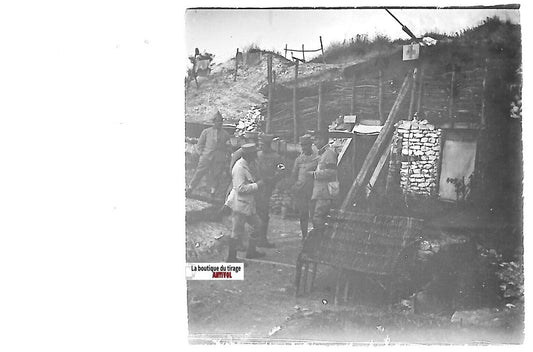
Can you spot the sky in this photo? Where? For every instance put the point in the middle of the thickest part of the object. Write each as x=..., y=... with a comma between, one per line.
x=222, y=31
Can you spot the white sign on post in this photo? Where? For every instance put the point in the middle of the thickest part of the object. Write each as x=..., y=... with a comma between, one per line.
x=350, y=118
x=411, y=52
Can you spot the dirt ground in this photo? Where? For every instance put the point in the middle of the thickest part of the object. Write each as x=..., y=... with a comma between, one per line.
x=263, y=308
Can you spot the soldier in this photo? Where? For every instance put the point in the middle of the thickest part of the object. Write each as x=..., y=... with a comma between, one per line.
x=303, y=182
x=249, y=137
x=326, y=172
x=213, y=149
x=242, y=201
x=267, y=167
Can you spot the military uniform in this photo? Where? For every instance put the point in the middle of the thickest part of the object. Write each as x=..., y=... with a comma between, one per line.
x=326, y=172
x=303, y=184
x=241, y=200
x=266, y=163
x=213, y=149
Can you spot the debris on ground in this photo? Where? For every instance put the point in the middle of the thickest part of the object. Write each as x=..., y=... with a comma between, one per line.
x=251, y=122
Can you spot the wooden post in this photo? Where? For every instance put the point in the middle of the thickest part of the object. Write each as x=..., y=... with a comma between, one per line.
x=236, y=65
x=320, y=110
x=483, y=93
x=303, y=53
x=322, y=48
x=452, y=92
x=270, y=95
x=377, y=171
x=295, y=103
x=380, y=97
x=285, y=50
x=412, y=100
x=353, y=95
x=383, y=136
x=354, y=157
x=420, y=88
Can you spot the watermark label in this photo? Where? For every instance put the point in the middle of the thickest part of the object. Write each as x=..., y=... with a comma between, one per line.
x=214, y=271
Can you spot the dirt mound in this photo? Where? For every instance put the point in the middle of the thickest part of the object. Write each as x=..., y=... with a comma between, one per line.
x=235, y=98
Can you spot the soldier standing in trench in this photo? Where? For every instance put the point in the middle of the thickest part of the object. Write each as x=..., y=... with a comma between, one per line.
x=267, y=168
x=303, y=182
x=249, y=137
x=242, y=201
x=213, y=149
x=325, y=172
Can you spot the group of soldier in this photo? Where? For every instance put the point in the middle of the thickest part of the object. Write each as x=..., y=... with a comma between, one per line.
x=255, y=170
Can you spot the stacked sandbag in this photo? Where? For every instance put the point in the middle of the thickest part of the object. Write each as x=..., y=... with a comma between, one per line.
x=251, y=122
x=419, y=149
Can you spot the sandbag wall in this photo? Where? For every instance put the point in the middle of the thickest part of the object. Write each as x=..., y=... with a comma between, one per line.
x=418, y=147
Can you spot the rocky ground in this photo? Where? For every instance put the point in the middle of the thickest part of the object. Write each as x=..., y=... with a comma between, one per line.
x=263, y=308
x=234, y=98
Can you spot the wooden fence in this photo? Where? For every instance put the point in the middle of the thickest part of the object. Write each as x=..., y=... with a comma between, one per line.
x=438, y=94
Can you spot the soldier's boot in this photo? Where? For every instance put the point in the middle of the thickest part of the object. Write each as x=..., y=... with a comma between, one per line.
x=262, y=240
x=232, y=251
x=251, y=252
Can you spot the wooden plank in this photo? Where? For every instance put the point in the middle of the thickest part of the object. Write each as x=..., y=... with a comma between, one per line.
x=320, y=110
x=483, y=95
x=270, y=95
x=377, y=171
x=295, y=104
x=346, y=143
x=452, y=92
x=420, y=89
x=412, y=101
x=380, y=97
x=322, y=49
x=353, y=95
x=383, y=136
x=236, y=65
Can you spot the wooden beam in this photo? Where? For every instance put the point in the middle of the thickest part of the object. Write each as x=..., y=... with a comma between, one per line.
x=483, y=93
x=420, y=89
x=322, y=48
x=377, y=171
x=320, y=109
x=295, y=104
x=383, y=136
x=236, y=65
x=452, y=92
x=380, y=97
x=412, y=101
x=353, y=95
x=270, y=95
